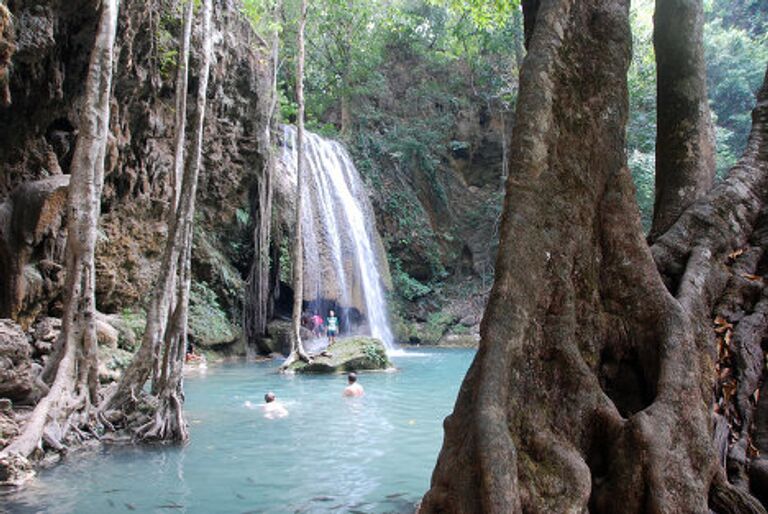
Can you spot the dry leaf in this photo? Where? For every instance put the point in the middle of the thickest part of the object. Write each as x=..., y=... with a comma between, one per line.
x=722, y=324
x=732, y=256
x=729, y=388
x=750, y=276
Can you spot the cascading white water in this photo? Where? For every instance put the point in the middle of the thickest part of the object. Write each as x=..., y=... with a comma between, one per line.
x=338, y=230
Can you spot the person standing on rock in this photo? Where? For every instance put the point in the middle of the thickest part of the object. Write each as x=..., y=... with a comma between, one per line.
x=353, y=389
x=333, y=327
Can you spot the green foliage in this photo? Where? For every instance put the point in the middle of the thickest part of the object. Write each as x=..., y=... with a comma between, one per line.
x=135, y=320
x=375, y=354
x=260, y=14
x=208, y=324
x=166, y=43
x=405, y=286
x=483, y=13
x=736, y=51
x=286, y=261
x=735, y=68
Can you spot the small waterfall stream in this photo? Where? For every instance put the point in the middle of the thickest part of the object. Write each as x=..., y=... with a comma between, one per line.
x=342, y=250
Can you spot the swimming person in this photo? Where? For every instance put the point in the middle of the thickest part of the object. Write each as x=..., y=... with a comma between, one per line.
x=333, y=327
x=353, y=389
x=273, y=409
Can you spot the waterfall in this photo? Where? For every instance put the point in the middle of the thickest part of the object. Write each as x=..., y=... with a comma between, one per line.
x=341, y=266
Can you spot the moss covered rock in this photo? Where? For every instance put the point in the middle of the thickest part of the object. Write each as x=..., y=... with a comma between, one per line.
x=348, y=354
x=208, y=323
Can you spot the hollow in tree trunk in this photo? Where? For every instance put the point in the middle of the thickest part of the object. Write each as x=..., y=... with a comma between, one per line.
x=66, y=412
x=592, y=387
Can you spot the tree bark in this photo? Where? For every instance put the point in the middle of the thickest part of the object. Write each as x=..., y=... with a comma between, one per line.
x=168, y=422
x=685, y=140
x=149, y=358
x=297, y=346
x=591, y=389
x=67, y=406
x=258, y=287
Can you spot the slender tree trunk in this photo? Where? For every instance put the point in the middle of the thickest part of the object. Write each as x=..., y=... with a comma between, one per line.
x=685, y=141
x=168, y=422
x=148, y=358
x=182, y=81
x=179, y=140
x=256, y=311
x=297, y=346
x=592, y=386
x=66, y=408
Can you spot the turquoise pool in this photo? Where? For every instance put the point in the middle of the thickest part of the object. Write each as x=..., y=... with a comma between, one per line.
x=331, y=454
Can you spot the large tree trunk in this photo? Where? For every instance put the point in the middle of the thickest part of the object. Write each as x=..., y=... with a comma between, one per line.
x=713, y=261
x=297, y=346
x=591, y=389
x=685, y=140
x=162, y=309
x=67, y=406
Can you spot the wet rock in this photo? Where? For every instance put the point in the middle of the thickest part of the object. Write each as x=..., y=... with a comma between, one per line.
x=348, y=354
x=279, y=340
x=31, y=224
x=18, y=374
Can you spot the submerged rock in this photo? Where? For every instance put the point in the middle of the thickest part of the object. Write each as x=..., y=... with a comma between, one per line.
x=348, y=354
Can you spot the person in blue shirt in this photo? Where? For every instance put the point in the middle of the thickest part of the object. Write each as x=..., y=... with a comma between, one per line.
x=332, y=322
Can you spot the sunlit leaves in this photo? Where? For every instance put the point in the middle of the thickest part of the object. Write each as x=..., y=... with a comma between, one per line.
x=485, y=14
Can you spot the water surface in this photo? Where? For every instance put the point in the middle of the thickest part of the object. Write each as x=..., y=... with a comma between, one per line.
x=331, y=454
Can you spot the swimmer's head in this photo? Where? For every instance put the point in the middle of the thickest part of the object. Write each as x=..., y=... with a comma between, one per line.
x=269, y=397
x=352, y=377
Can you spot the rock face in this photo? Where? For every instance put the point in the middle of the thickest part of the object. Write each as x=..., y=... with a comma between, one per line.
x=38, y=132
x=279, y=340
x=348, y=354
x=18, y=376
x=31, y=230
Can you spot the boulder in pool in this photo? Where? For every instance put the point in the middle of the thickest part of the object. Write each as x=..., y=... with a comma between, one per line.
x=347, y=354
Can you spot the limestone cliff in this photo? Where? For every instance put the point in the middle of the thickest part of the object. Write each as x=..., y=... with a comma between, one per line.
x=39, y=127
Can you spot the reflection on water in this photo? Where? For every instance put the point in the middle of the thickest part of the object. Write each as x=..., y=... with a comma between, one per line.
x=331, y=454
